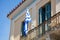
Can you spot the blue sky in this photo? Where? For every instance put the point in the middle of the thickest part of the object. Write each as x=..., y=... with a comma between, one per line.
x=5, y=7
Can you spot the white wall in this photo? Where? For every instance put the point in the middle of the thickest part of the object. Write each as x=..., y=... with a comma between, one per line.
x=57, y=6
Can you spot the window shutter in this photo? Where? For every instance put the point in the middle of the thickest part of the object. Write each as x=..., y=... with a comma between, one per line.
x=48, y=14
x=22, y=28
x=40, y=15
x=48, y=10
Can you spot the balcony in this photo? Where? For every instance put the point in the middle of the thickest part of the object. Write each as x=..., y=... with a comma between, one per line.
x=36, y=33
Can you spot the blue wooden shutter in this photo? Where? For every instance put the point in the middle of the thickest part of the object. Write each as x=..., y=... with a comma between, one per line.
x=48, y=14
x=43, y=19
x=22, y=28
x=48, y=10
x=40, y=19
x=40, y=15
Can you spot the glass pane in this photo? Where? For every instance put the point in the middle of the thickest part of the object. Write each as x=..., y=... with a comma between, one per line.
x=40, y=15
x=41, y=30
x=46, y=27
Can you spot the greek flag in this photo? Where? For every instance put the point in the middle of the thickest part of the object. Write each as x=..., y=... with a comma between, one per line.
x=27, y=20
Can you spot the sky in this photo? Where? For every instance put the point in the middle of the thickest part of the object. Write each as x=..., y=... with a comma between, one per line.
x=5, y=7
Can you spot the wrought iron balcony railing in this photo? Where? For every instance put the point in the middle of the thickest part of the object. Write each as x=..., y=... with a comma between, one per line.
x=36, y=33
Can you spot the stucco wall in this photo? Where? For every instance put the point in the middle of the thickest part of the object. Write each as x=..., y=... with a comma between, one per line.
x=57, y=6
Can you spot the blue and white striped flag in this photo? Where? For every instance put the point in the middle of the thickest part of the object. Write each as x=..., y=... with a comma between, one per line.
x=27, y=20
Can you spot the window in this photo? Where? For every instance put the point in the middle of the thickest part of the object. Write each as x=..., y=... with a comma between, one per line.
x=45, y=14
x=42, y=18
